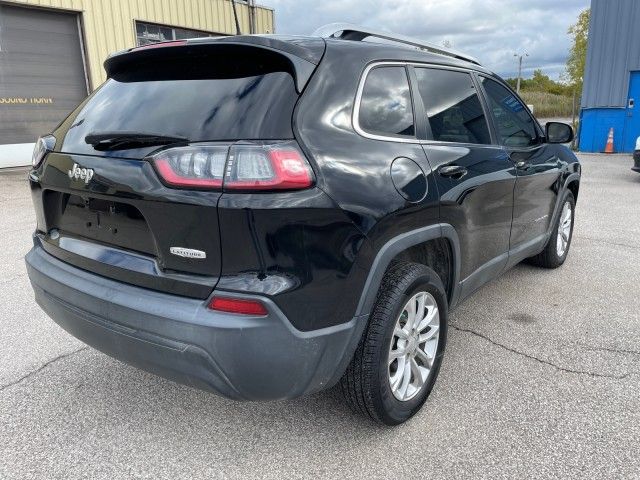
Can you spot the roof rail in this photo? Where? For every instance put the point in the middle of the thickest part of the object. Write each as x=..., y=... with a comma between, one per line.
x=348, y=31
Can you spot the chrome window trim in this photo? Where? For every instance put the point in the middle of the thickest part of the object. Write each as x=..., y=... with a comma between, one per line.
x=355, y=119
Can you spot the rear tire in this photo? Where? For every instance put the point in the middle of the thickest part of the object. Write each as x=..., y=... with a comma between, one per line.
x=367, y=383
x=557, y=248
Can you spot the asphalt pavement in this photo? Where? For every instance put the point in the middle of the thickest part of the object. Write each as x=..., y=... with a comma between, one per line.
x=541, y=379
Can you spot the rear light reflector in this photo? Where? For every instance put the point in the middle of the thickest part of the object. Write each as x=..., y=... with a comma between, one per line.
x=238, y=305
x=201, y=166
x=280, y=166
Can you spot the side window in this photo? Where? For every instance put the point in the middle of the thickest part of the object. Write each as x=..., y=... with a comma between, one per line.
x=515, y=126
x=385, y=106
x=452, y=105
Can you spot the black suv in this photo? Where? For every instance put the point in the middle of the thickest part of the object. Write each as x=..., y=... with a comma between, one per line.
x=268, y=216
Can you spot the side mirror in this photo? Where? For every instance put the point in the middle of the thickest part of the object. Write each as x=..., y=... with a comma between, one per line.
x=557, y=132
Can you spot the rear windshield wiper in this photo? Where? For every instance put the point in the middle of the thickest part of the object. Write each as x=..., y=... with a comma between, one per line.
x=122, y=140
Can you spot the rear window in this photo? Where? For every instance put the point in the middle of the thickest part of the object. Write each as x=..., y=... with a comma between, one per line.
x=206, y=99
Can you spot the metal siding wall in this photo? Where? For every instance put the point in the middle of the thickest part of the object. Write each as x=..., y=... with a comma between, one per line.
x=613, y=51
x=594, y=129
x=109, y=24
x=265, y=21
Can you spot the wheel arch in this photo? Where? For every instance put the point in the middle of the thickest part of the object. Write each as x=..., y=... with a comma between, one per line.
x=420, y=245
x=573, y=184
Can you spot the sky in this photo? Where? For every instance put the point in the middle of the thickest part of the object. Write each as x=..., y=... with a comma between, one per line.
x=490, y=30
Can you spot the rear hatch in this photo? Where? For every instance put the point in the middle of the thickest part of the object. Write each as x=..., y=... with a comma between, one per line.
x=101, y=202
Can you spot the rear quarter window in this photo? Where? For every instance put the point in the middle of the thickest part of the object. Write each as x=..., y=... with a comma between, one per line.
x=385, y=105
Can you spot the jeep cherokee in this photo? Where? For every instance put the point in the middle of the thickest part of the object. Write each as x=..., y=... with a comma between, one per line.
x=268, y=216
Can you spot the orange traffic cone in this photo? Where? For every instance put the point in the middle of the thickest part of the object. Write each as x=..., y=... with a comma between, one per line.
x=609, y=147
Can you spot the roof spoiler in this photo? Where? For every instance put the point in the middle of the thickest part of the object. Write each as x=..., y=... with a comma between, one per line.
x=348, y=31
x=303, y=61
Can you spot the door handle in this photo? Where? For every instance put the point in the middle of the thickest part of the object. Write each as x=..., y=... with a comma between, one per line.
x=452, y=171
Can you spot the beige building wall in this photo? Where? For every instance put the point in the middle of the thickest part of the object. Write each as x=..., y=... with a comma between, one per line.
x=109, y=25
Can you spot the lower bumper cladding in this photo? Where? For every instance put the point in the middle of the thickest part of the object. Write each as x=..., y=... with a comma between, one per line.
x=243, y=357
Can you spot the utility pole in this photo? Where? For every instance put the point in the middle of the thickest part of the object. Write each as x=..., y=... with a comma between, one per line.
x=519, y=68
x=235, y=16
x=251, y=4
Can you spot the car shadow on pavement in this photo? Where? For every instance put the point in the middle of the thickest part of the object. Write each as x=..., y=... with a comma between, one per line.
x=102, y=387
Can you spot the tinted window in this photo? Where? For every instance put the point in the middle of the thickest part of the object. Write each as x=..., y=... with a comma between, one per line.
x=452, y=105
x=202, y=104
x=515, y=126
x=385, y=108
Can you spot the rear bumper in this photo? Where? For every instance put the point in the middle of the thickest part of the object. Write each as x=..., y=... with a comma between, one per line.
x=636, y=161
x=239, y=357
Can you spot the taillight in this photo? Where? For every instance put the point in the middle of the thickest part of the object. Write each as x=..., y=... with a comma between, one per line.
x=195, y=166
x=280, y=166
x=238, y=305
x=243, y=166
x=43, y=146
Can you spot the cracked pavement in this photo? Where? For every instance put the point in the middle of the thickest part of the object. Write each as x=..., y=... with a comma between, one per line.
x=551, y=364
x=541, y=380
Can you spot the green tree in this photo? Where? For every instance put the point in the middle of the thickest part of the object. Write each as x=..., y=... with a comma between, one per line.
x=539, y=82
x=512, y=82
x=578, y=53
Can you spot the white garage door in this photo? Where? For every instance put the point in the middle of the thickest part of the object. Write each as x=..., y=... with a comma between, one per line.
x=42, y=77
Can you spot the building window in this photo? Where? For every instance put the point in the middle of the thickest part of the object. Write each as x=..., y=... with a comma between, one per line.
x=147, y=33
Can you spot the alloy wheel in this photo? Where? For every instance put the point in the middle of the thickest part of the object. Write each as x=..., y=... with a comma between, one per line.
x=414, y=344
x=564, y=229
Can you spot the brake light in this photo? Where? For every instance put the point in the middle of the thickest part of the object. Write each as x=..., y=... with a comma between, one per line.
x=201, y=166
x=243, y=166
x=238, y=305
x=280, y=166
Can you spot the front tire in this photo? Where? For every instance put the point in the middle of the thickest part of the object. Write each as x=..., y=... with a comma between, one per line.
x=398, y=359
x=557, y=248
